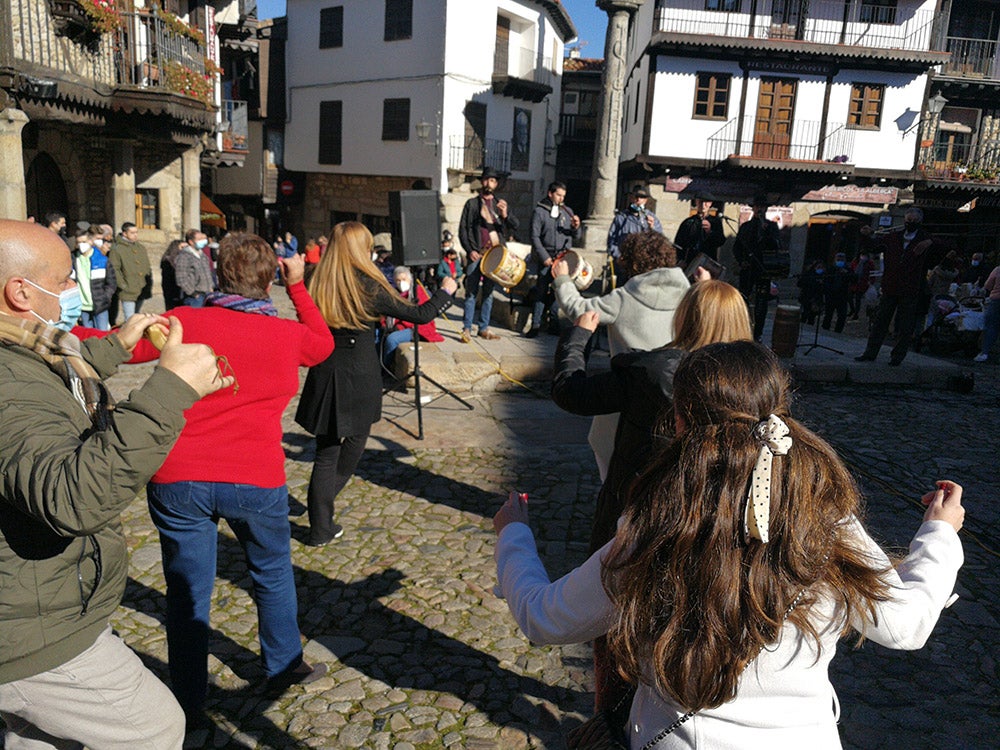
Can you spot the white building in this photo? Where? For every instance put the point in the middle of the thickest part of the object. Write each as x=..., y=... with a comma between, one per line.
x=815, y=103
x=387, y=95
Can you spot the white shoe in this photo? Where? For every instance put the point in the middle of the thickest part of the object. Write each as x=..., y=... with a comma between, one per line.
x=981, y=357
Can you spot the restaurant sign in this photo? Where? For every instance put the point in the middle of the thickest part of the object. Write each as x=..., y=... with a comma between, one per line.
x=853, y=194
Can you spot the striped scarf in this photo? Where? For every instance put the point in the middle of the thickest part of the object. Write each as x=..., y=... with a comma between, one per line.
x=61, y=352
x=242, y=304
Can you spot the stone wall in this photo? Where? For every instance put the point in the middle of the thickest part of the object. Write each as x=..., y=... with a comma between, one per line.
x=359, y=195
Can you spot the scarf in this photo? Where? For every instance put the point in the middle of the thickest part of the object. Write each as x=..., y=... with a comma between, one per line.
x=61, y=352
x=241, y=304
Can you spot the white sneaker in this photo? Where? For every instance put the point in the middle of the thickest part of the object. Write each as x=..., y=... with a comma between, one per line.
x=981, y=357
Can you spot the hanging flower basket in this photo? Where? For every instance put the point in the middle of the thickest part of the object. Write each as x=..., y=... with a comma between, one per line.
x=104, y=16
x=84, y=20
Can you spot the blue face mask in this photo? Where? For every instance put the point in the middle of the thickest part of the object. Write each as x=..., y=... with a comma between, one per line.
x=70, y=307
x=819, y=271
x=841, y=263
x=200, y=244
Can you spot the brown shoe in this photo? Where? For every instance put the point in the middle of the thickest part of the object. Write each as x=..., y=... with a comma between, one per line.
x=488, y=335
x=466, y=337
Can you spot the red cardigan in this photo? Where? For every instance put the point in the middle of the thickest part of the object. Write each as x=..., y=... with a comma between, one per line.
x=236, y=437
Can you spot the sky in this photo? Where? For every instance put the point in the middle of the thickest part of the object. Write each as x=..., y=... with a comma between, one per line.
x=590, y=21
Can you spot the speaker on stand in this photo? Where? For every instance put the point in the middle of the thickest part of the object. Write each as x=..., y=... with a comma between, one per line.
x=415, y=225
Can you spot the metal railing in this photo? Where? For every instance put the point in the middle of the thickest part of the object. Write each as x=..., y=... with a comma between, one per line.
x=526, y=64
x=471, y=154
x=146, y=47
x=845, y=22
x=807, y=140
x=235, y=126
x=578, y=127
x=963, y=162
x=973, y=58
x=32, y=38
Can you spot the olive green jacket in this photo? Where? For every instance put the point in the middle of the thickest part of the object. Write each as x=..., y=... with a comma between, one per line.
x=132, y=270
x=63, y=559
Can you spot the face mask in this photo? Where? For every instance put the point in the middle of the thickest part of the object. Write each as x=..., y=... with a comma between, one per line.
x=83, y=246
x=374, y=257
x=840, y=263
x=70, y=307
x=975, y=263
x=911, y=226
x=404, y=286
x=200, y=244
x=635, y=208
x=99, y=242
x=819, y=271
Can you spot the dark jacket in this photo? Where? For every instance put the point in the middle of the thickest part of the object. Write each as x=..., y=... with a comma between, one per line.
x=640, y=385
x=905, y=264
x=757, y=237
x=549, y=236
x=132, y=269
x=469, y=225
x=193, y=272
x=103, y=282
x=629, y=222
x=342, y=395
x=692, y=238
x=63, y=559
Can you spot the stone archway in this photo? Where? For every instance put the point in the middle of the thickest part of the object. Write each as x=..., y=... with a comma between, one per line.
x=44, y=188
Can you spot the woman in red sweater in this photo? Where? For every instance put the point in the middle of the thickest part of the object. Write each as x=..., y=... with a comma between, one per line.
x=229, y=463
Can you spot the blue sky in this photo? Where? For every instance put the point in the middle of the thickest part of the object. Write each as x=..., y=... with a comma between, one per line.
x=589, y=20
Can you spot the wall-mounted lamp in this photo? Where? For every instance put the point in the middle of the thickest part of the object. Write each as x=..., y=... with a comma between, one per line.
x=429, y=134
x=935, y=106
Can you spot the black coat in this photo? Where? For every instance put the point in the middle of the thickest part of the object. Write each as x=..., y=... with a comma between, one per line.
x=640, y=385
x=692, y=239
x=342, y=395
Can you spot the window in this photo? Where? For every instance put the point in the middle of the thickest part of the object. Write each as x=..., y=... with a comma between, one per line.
x=711, y=96
x=724, y=6
x=331, y=27
x=866, y=106
x=396, y=120
x=877, y=11
x=398, y=19
x=147, y=209
x=330, y=127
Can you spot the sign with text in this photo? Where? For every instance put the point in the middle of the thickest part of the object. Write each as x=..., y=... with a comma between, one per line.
x=853, y=194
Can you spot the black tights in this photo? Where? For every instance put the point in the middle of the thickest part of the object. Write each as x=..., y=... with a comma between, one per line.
x=336, y=460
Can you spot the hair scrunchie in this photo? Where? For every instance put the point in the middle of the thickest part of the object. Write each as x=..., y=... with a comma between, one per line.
x=773, y=435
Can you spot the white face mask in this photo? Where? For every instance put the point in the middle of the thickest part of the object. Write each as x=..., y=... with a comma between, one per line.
x=83, y=246
x=99, y=242
x=404, y=286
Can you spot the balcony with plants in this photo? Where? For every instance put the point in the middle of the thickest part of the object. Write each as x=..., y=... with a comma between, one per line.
x=961, y=160
x=861, y=26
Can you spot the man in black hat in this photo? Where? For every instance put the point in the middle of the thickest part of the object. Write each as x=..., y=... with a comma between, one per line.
x=486, y=222
x=757, y=237
x=701, y=232
x=635, y=218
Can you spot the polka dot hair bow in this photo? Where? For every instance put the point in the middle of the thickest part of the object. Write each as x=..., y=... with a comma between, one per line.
x=775, y=441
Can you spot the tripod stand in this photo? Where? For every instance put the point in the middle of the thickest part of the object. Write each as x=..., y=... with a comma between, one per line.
x=417, y=376
x=815, y=342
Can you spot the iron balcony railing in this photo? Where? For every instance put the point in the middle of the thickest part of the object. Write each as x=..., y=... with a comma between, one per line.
x=234, y=126
x=861, y=23
x=523, y=63
x=578, y=127
x=962, y=161
x=150, y=54
x=804, y=140
x=471, y=154
x=972, y=58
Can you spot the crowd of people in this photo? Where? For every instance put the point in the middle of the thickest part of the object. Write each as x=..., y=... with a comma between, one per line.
x=728, y=550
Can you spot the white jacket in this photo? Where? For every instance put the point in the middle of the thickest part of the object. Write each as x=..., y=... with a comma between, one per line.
x=785, y=698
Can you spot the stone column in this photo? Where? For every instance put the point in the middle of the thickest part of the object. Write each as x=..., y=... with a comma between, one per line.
x=13, y=204
x=122, y=183
x=191, y=187
x=607, y=150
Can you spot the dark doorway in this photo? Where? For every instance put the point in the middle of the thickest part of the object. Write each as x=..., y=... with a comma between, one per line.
x=44, y=188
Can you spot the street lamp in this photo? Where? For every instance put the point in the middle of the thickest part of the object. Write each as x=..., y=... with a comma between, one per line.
x=935, y=105
x=428, y=133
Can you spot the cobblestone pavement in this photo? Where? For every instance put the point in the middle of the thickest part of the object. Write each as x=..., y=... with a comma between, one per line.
x=423, y=655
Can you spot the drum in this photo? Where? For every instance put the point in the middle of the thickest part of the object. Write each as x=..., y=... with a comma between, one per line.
x=785, y=334
x=580, y=269
x=502, y=266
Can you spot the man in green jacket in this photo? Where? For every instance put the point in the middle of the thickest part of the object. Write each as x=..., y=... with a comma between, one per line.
x=132, y=270
x=71, y=461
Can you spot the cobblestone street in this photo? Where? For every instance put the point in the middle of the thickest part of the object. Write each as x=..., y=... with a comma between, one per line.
x=423, y=655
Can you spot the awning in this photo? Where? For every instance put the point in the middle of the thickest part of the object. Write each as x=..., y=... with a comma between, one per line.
x=211, y=214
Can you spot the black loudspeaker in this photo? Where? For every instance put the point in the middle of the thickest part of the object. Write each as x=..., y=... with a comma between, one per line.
x=415, y=225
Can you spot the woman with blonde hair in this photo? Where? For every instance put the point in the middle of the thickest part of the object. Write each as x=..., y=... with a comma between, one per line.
x=739, y=564
x=640, y=387
x=342, y=396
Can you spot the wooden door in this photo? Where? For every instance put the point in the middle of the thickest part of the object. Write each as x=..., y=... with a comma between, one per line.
x=772, y=138
x=475, y=135
x=501, y=56
x=786, y=17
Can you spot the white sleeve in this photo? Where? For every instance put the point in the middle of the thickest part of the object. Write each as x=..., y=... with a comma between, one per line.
x=920, y=586
x=574, y=609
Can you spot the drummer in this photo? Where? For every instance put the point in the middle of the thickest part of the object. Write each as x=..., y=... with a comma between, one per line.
x=554, y=226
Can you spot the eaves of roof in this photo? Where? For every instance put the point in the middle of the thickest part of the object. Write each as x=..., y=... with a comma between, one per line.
x=560, y=17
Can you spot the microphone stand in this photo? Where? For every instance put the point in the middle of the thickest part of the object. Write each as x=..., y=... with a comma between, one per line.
x=815, y=342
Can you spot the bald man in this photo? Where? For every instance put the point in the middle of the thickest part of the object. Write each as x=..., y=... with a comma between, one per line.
x=71, y=461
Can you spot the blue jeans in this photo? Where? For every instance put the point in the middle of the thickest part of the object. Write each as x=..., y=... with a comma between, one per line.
x=991, y=325
x=186, y=515
x=195, y=300
x=473, y=280
x=130, y=307
x=392, y=342
x=100, y=320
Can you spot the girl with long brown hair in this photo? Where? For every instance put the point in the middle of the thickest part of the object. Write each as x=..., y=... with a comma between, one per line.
x=342, y=396
x=739, y=563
